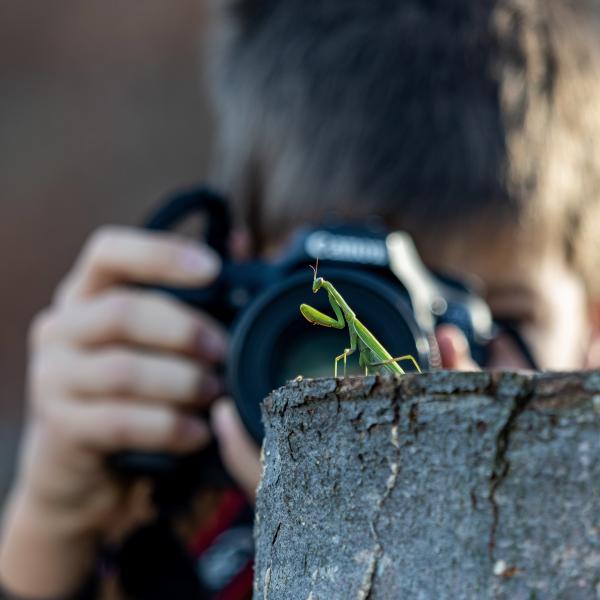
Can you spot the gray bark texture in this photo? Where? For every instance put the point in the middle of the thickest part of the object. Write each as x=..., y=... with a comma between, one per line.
x=442, y=485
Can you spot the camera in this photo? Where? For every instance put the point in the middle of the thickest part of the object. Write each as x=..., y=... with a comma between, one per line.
x=378, y=272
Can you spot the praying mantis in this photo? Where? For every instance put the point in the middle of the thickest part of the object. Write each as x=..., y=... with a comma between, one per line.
x=372, y=353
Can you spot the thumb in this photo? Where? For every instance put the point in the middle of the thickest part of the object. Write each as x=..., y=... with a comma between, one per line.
x=454, y=349
x=239, y=452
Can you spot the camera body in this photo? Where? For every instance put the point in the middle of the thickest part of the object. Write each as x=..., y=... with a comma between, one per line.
x=379, y=273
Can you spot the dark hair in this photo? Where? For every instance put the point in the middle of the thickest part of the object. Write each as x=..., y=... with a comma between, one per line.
x=432, y=114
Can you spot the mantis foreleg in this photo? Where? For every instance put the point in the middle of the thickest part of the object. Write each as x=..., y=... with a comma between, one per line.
x=316, y=317
x=397, y=359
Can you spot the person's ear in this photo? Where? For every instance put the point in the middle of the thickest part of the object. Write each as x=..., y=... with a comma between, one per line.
x=592, y=359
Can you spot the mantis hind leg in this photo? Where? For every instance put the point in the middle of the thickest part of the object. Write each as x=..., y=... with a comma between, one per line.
x=363, y=360
x=348, y=351
x=396, y=359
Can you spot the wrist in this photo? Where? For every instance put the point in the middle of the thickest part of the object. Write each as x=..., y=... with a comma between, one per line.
x=43, y=553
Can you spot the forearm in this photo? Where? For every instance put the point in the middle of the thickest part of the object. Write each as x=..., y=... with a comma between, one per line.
x=42, y=555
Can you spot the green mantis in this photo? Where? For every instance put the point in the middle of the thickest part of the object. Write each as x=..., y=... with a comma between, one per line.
x=372, y=353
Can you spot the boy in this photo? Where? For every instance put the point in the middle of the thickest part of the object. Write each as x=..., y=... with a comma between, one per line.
x=472, y=125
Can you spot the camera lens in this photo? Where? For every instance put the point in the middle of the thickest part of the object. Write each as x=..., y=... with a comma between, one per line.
x=272, y=343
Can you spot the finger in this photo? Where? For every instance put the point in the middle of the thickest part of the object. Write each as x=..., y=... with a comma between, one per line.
x=116, y=255
x=454, y=349
x=239, y=452
x=143, y=318
x=125, y=373
x=113, y=425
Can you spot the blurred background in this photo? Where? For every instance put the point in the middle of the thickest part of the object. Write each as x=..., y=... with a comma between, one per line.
x=101, y=113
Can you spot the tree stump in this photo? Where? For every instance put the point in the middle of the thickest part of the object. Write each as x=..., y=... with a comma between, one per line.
x=462, y=485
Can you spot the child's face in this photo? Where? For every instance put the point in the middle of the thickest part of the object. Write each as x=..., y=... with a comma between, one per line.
x=543, y=296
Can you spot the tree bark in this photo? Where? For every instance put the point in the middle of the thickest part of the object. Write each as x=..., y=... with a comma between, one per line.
x=462, y=485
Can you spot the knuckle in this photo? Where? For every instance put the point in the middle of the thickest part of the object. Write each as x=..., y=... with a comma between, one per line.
x=100, y=239
x=194, y=328
x=63, y=289
x=183, y=332
x=184, y=324
x=121, y=370
x=40, y=327
x=98, y=244
x=189, y=379
x=164, y=256
x=194, y=380
x=173, y=430
x=119, y=432
x=119, y=306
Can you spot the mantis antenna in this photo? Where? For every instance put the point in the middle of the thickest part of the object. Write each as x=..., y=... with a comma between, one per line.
x=315, y=269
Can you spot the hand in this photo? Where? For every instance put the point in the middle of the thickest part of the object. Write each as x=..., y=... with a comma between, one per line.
x=112, y=368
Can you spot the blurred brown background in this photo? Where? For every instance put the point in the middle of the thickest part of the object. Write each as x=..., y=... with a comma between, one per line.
x=101, y=113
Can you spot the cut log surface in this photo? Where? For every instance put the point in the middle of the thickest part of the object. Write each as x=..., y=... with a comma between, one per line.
x=442, y=485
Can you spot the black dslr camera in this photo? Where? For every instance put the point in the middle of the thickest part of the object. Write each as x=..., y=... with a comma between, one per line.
x=379, y=273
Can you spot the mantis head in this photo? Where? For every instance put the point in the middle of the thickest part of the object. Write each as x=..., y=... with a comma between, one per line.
x=317, y=281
